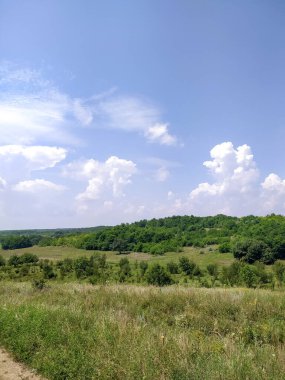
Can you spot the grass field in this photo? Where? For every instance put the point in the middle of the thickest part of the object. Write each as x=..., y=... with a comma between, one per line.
x=59, y=253
x=84, y=332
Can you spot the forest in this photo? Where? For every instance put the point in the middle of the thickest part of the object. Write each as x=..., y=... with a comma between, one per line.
x=249, y=238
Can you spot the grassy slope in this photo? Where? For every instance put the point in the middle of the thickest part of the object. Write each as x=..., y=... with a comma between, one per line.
x=126, y=332
x=59, y=253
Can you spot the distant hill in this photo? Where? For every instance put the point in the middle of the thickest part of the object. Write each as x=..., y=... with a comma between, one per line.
x=54, y=232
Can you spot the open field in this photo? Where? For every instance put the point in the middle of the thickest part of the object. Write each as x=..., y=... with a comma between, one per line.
x=60, y=253
x=86, y=332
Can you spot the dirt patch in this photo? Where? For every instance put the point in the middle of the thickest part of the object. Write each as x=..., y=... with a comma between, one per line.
x=11, y=370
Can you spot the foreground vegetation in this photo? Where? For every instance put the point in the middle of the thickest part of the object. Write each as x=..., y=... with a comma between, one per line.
x=97, y=303
x=83, y=332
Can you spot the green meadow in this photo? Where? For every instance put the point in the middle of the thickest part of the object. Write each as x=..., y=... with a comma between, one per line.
x=84, y=332
x=202, y=256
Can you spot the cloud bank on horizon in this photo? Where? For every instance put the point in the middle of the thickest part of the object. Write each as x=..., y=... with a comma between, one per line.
x=51, y=177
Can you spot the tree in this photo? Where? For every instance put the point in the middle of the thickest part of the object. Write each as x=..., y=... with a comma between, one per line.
x=248, y=276
x=120, y=245
x=250, y=250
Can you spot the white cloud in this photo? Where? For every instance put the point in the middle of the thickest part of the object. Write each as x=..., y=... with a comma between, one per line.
x=3, y=183
x=133, y=114
x=162, y=174
x=83, y=113
x=274, y=184
x=32, y=109
x=159, y=133
x=103, y=177
x=170, y=195
x=36, y=114
x=37, y=157
x=37, y=186
x=235, y=189
x=273, y=194
x=18, y=162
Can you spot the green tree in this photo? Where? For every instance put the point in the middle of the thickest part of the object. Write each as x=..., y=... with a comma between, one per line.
x=248, y=276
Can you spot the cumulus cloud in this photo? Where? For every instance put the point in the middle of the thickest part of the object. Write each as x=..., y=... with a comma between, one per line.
x=236, y=188
x=37, y=186
x=159, y=133
x=235, y=183
x=274, y=184
x=103, y=177
x=273, y=194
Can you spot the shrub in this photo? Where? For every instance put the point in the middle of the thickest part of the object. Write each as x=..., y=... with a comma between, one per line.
x=2, y=261
x=38, y=284
x=187, y=266
x=157, y=275
x=143, y=267
x=225, y=247
x=212, y=270
x=172, y=267
x=279, y=271
x=124, y=269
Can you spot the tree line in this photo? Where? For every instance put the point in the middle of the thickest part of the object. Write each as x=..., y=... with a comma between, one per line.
x=249, y=238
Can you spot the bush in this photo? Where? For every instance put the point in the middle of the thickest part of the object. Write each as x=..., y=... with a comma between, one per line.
x=212, y=270
x=279, y=271
x=143, y=267
x=26, y=258
x=224, y=247
x=188, y=266
x=38, y=284
x=172, y=267
x=124, y=269
x=2, y=261
x=157, y=275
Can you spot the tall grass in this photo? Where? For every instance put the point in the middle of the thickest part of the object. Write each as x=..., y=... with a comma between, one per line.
x=82, y=332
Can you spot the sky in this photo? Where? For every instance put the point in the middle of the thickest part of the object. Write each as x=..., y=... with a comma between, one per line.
x=119, y=110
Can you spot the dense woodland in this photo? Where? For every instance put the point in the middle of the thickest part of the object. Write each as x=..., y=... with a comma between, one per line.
x=249, y=238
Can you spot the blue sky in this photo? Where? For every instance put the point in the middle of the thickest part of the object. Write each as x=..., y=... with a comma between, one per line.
x=113, y=111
